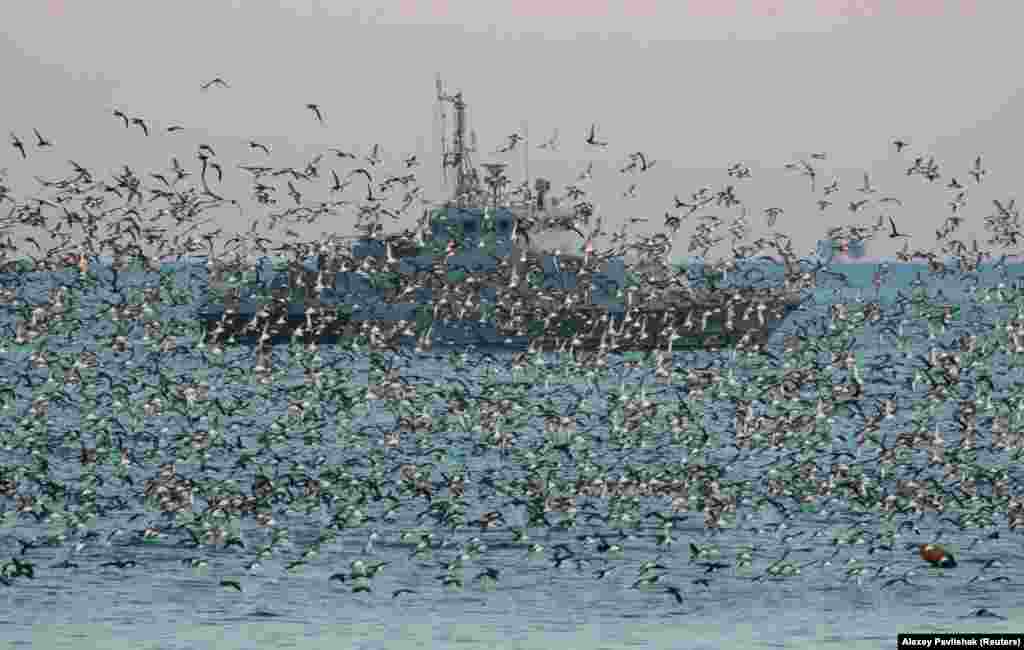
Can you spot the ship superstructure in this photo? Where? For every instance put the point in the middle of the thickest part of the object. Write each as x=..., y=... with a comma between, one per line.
x=471, y=279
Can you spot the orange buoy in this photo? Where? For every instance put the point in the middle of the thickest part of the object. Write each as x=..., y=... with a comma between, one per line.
x=937, y=556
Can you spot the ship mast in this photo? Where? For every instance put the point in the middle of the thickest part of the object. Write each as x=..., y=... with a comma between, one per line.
x=443, y=132
x=457, y=157
x=526, y=166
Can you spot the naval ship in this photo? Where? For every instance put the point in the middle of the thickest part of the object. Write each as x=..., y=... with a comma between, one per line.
x=475, y=273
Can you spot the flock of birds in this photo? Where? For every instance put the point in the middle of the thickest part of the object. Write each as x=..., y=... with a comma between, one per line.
x=562, y=459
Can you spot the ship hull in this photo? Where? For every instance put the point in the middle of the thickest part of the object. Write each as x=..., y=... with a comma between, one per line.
x=654, y=324
x=471, y=285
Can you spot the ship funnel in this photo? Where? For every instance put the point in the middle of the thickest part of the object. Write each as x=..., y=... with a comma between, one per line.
x=542, y=187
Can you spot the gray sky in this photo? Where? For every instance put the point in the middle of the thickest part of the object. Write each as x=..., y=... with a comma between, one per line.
x=695, y=85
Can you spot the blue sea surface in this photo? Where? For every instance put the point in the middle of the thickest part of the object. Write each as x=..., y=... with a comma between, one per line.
x=159, y=603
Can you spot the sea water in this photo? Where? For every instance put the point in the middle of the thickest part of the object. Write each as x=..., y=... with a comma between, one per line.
x=160, y=604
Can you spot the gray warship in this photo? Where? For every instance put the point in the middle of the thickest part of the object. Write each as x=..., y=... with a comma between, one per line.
x=474, y=273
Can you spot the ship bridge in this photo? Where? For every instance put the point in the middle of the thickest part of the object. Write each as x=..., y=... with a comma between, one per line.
x=472, y=225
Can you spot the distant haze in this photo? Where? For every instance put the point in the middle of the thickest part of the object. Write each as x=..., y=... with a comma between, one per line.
x=696, y=86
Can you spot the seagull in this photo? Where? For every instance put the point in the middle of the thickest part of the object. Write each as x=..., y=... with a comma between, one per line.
x=592, y=138
x=977, y=172
x=316, y=111
x=256, y=145
x=294, y=193
x=40, y=140
x=675, y=593
x=124, y=117
x=18, y=144
x=174, y=129
x=866, y=188
x=984, y=613
x=338, y=186
x=894, y=234
x=899, y=144
x=805, y=169
x=364, y=172
x=214, y=82
x=892, y=581
x=551, y=143
x=513, y=140
x=587, y=173
x=857, y=205
x=138, y=122
x=374, y=156
x=641, y=159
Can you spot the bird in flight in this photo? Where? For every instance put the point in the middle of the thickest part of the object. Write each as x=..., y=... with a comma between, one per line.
x=586, y=173
x=857, y=205
x=256, y=145
x=805, y=169
x=214, y=82
x=638, y=161
x=18, y=144
x=118, y=113
x=374, y=156
x=592, y=138
x=316, y=111
x=894, y=234
x=338, y=185
x=175, y=129
x=364, y=172
x=513, y=140
x=138, y=122
x=551, y=144
x=867, y=188
x=294, y=193
x=899, y=144
x=977, y=171
x=675, y=593
x=40, y=140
